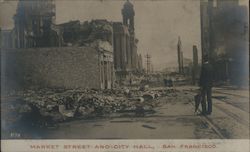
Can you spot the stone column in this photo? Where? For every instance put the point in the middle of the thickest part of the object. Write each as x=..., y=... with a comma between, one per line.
x=102, y=73
x=128, y=50
x=117, y=51
x=123, y=52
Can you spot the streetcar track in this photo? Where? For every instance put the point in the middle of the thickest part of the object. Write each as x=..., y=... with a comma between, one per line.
x=232, y=115
x=233, y=104
x=227, y=102
x=215, y=127
x=216, y=91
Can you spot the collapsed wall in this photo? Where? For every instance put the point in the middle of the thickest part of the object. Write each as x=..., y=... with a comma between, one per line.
x=75, y=33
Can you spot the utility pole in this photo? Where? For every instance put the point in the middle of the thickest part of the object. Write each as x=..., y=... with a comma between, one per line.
x=148, y=62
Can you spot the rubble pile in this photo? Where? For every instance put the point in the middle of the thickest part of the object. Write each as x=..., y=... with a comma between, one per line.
x=83, y=34
x=57, y=105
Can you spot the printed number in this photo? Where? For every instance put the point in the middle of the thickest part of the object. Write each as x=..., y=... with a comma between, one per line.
x=15, y=135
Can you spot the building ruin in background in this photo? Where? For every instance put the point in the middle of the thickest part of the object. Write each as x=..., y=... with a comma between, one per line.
x=180, y=56
x=224, y=38
x=125, y=45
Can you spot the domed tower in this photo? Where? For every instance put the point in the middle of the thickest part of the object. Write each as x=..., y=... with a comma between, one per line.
x=128, y=14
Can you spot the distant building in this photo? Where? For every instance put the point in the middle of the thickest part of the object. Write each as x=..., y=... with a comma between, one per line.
x=224, y=37
x=180, y=56
x=128, y=14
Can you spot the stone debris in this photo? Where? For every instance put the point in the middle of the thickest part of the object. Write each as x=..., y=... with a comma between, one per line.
x=148, y=96
x=144, y=87
x=149, y=127
x=76, y=33
x=48, y=106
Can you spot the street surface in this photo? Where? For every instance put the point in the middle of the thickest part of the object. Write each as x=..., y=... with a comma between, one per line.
x=173, y=118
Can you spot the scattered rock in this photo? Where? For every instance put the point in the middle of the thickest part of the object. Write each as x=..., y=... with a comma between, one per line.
x=149, y=127
x=56, y=105
x=148, y=97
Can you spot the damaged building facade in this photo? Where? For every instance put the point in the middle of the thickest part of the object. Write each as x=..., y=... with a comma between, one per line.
x=114, y=43
x=68, y=55
x=57, y=67
x=224, y=38
x=82, y=62
x=33, y=20
x=126, y=59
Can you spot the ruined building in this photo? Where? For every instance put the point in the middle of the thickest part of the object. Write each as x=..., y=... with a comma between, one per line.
x=85, y=62
x=224, y=37
x=113, y=44
x=180, y=56
x=122, y=49
x=57, y=67
x=75, y=33
x=33, y=21
x=125, y=44
x=68, y=55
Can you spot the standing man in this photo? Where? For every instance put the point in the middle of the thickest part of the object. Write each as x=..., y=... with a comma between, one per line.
x=206, y=83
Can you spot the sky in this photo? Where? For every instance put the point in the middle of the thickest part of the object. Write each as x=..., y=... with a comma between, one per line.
x=158, y=23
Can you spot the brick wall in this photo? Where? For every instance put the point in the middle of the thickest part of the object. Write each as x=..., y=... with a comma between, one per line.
x=66, y=67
